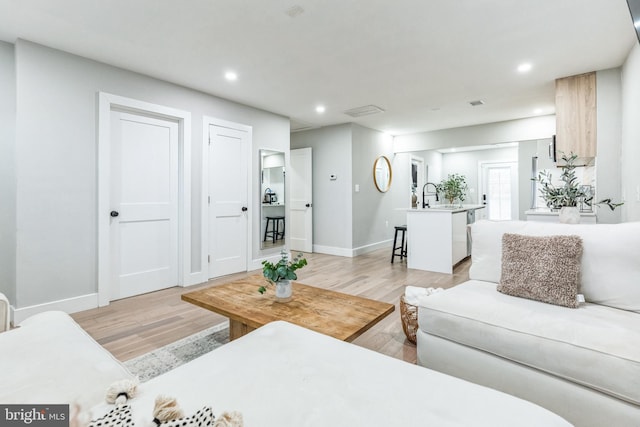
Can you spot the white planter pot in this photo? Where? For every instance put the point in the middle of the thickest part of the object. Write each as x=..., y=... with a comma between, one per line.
x=283, y=291
x=569, y=215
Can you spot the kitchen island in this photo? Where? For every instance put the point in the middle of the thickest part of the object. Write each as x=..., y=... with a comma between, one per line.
x=437, y=237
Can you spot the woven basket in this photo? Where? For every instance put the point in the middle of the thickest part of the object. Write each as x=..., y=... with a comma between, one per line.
x=409, y=317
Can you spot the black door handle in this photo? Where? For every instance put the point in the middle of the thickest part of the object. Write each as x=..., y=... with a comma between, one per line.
x=114, y=214
x=308, y=205
x=244, y=209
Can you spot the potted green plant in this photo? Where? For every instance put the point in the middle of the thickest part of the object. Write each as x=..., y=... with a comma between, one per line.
x=566, y=196
x=281, y=274
x=453, y=188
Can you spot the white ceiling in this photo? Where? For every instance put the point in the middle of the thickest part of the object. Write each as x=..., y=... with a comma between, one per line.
x=421, y=61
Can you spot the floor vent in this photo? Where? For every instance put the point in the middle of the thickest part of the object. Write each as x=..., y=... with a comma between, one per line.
x=476, y=103
x=367, y=110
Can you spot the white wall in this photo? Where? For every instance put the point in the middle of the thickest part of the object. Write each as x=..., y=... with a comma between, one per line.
x=7, y=172
x=526, y=151
x=346, y=222
x=56, y=164
x=401, y=183
x=332, y=205
x=373, y=214
x=609, y=134
x=491, y=133
x=466, y=163
x=402, y=176
x=630, y=149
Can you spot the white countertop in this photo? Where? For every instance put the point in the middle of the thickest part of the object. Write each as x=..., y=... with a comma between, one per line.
x=549, y=212
x=443, y=208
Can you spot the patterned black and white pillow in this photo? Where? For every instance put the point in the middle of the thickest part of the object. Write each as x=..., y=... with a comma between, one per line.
x=120, y=416
x=203, y=418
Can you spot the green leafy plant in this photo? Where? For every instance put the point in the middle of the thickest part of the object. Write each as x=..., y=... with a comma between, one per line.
x=453, y=188
x=282, y=270
x=570, y=193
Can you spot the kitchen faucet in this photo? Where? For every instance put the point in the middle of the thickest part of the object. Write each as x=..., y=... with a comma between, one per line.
x=424, y=194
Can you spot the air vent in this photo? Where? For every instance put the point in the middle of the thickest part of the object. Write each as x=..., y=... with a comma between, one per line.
x=476, y=103
x=367, y=110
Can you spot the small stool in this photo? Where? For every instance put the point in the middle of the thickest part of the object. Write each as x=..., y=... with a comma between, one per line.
x=403, y=244
x=275, y=232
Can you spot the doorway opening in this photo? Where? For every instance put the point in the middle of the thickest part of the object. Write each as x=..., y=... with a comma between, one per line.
x=499, y=189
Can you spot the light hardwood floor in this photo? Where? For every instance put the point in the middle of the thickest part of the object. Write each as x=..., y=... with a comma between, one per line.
x=137, y=325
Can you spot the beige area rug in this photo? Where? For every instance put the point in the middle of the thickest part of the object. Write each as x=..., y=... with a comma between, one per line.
x=172, y=355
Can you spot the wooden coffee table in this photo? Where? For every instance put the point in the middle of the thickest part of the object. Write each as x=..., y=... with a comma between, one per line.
x=332, y=313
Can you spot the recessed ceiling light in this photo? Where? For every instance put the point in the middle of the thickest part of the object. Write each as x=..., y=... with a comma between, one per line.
x=320, y=109
x=523, y=68
x=231, y=76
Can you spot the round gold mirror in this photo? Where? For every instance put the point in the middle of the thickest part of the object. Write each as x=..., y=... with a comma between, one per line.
x=382, y=174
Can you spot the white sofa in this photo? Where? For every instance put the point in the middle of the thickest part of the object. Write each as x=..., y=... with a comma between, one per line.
x=582, y=363
x=278, y=375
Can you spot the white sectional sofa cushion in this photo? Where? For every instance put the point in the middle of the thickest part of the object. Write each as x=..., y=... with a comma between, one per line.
x=278, y=375
x=585, y=345
x=583, y=363
x=285, y=375
x=50, y=359
x=610, y=259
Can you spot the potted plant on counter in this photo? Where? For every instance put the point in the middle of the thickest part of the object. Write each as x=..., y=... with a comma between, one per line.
x=566, y=196
x=281, y=274
x=453, y=188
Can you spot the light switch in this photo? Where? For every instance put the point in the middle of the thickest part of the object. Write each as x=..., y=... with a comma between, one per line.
x=357, y=188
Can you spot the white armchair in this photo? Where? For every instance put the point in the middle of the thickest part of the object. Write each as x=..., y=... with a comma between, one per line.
x=5, y=313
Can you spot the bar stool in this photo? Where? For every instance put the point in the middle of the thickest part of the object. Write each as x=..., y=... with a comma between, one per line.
x=275, y=232
x=403, y=243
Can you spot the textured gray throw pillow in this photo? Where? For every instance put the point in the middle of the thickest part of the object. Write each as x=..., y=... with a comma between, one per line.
x=541, y=268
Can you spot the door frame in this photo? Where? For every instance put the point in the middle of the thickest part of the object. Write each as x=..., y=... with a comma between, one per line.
x=515, y=193
x=106, y=103
x=422, y=172
x=208, y=121
x=310, y=246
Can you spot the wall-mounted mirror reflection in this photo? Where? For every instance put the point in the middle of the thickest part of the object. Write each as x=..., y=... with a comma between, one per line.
x=272, y=217
x=382, y=174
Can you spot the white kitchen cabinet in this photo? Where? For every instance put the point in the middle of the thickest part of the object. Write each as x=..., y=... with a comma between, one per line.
x=437, y=238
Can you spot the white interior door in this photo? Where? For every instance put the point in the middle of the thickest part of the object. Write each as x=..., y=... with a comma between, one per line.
x=301, y=201
x=144, y=202
x=500, y=190
x=228, y=192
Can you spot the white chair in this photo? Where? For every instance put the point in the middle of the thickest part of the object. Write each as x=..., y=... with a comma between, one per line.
x=5, y=313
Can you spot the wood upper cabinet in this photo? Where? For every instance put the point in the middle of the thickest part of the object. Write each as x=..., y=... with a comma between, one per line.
x=576, y=115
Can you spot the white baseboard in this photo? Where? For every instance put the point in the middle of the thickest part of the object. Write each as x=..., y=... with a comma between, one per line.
x=332, y=250
x=372, y=247
x=69, y=305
